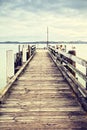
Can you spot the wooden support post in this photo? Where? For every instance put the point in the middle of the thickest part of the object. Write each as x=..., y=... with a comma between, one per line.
x=19, y=48
x=9, y=64
x=86, y=76
x=24, y=54
x=2, y=68
x=29, y=49
x=73, y=52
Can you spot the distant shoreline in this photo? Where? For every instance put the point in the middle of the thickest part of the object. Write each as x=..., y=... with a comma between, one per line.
x=45, y=42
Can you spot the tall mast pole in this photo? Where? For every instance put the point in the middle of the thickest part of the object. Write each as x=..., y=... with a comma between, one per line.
x=47, y=36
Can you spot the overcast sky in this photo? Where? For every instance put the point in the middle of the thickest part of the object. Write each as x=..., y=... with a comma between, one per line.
x=27, y=20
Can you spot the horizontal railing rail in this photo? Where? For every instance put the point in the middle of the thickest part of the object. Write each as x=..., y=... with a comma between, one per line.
x=62, y=60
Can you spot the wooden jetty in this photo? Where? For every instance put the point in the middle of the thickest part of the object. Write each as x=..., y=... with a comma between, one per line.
x=41, y=99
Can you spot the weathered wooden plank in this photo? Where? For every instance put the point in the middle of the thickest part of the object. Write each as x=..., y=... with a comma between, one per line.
x=41, y=99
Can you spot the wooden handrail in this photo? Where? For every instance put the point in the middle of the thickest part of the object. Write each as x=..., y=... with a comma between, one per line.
x=72, y=57
x=76, y=86
x=13, y=79
x=63, y=62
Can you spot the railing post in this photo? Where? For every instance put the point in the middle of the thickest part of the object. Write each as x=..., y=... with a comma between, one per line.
x=72, y=52
x=29, y=50
x=33, y=49
x=2, y=68
x=24, y=54
x=19, y=48
x=9, y=64
x=86, y=76
x=61, y=59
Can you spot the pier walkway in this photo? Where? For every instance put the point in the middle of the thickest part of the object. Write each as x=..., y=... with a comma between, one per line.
x=41, y=99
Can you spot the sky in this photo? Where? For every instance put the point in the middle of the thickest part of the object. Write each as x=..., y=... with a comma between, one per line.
x=27, y=20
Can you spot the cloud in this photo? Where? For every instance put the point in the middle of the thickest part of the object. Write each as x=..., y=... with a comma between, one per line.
x=28, y=19
x=57, y=6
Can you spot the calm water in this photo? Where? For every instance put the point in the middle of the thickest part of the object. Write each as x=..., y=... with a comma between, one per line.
x=81, y=51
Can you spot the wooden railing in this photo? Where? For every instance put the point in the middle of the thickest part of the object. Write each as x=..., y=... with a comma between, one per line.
x=62, y=59
x=6, y=89
x=19, y=61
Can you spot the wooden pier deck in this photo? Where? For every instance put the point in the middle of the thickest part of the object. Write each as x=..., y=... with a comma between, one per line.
x=41, y=99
